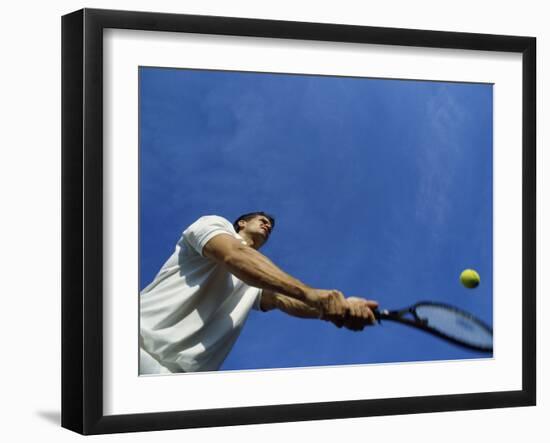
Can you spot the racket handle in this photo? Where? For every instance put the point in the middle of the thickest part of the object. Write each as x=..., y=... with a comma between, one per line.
x=380, y=314
x=377, y=315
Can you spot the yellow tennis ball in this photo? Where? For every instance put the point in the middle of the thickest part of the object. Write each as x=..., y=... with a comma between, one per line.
x=469, y=278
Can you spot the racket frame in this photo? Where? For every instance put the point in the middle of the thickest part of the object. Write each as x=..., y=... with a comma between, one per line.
x=416, y=322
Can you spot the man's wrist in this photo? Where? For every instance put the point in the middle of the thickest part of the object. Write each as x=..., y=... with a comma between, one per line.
x=311, y=298
x=302, y=292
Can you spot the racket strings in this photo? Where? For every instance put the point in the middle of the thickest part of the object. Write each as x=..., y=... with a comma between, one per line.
x=456, y=324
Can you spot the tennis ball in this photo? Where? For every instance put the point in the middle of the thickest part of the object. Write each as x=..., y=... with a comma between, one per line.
x=469, y=278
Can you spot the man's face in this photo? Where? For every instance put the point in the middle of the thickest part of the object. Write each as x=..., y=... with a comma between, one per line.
x=258, y=227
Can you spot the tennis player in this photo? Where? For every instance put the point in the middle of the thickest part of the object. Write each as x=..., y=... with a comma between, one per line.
x=193, y=311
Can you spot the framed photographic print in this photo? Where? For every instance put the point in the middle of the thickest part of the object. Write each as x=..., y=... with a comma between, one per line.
x=260, y=215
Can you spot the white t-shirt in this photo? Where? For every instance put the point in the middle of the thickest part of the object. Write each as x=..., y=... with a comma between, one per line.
x=193, y=311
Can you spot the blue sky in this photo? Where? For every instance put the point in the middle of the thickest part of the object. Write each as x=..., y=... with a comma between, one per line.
x=381, y=189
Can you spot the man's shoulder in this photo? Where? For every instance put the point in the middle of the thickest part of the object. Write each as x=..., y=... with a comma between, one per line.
x=204, y=229
x=209, y=223
x=213, y=220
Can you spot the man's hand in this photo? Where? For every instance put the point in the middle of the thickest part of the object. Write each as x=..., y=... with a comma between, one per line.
x=360, y=314
x=331, y=304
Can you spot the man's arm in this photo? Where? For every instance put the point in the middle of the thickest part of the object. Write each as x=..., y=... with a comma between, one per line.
x=360, y=310
x=273, y=300
x=255, y=269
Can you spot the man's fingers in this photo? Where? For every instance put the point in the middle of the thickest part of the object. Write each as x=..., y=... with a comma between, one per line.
x=341, y=305
x=354, y=310
x=369, y=315
x=357, y=325
x=371, y=318
x=360, y=313
x=334, y=304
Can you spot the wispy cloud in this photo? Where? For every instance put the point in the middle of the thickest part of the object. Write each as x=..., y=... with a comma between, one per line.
x=438, y=158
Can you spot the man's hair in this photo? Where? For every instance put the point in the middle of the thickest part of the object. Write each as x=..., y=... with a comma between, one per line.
x=250, y=216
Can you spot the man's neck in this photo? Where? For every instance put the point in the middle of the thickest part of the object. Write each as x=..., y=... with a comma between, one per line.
x=248, y=239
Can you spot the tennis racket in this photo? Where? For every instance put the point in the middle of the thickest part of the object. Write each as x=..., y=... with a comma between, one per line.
x=444, y=321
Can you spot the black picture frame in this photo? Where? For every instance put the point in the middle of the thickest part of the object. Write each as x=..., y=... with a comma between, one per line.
x=82, y=218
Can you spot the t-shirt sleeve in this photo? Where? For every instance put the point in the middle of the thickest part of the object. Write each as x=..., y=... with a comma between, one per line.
x=204, y=229
x=257, y=306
